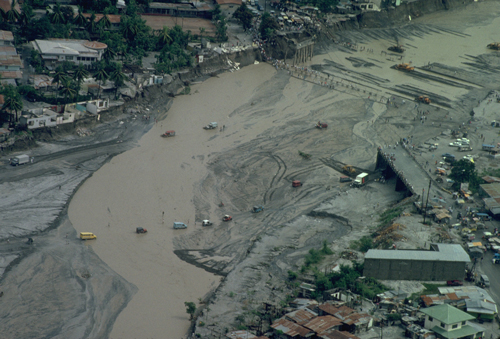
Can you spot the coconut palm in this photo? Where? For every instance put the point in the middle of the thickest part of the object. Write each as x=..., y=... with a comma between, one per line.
x=59, y=76
x=202, y=30
x=68, y=89
x=109, y=54
x=57, y=16
x=12, y=15
x=26, y=15
x=92, y=27
x=12, y=102
x=80, y=74
x=118, y=77
x=104, y=23
x=101, y=75
x=80, y=20
x=164, y=36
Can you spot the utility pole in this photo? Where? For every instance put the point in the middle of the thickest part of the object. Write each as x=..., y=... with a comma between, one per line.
x=427, y=201
x=423, y=194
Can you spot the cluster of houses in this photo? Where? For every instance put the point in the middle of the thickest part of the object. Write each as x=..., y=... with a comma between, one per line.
x=453, y=313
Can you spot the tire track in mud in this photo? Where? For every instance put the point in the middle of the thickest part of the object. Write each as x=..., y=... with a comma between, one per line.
x=289, y=176
x=281, y=164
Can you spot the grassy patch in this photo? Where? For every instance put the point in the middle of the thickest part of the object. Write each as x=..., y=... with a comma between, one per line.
x=389, y=214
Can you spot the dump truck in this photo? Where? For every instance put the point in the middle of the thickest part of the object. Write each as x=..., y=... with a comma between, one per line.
x=168, y=134
x=345, y=179
x=360, y=180
x=20, y=160
x=348, y=169
x=296, y=183
x=405, y=67
x=212, y=125
x=397, y=49
x=206, y=223
x=227, y=218
x=423, y=99
x=140, y=230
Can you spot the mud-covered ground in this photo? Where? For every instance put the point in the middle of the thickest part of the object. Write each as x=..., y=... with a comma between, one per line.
x=65, y=290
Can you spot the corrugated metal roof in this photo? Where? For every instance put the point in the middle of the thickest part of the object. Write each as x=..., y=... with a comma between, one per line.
x=338, y=335
x=321, y=324
x=301, y=316
x=445, y=252
x=6, y=36
x=290, y=328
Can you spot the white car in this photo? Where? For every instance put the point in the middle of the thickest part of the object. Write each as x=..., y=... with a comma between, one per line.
x=455, y=144
x=469, y=157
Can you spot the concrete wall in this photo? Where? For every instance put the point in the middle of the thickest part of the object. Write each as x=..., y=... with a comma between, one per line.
x=414, y=270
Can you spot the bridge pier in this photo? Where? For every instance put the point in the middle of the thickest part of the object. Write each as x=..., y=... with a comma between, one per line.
x=385, y=163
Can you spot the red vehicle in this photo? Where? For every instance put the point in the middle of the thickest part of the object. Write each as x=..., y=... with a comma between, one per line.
x=168, y=134
x=454, y=283
x=321, y=125
x=227, y=218
x=140, y=230
x=296, y=183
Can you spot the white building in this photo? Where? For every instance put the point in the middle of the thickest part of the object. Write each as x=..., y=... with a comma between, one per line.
x=56, y=51
x=44, y=117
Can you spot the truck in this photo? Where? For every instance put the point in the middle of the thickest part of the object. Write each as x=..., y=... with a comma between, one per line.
x=20, y=160
x=360, y=180
x=87, y=236
x=212, y=125
x=179, y=225
x=464, y=148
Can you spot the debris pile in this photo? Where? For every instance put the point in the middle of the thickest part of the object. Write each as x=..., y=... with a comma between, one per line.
x=83, y=132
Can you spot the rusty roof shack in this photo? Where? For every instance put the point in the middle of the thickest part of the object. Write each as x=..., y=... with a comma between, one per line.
x=287, y=329
x=301, y=316
x=323, y=324
x=338, y=335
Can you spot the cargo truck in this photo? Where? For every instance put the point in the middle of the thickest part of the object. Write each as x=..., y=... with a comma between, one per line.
x=360, y=180
x=19, y=160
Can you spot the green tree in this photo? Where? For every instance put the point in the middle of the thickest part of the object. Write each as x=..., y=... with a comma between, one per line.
x=268, y=25
x=109, y=54
x=79, y=75
x=244, y=16
x=92, y=26
x=101, y=75
x=80, y=20
x=26, y=15
x=12, y=100
x=104, y=23
x=202, y=31
x=59, y=76
x=118, y=77
x=57, y=16
x=12, y=15
x=164, y=37
x=465, y=171
x=190, y=309
x=68, y=89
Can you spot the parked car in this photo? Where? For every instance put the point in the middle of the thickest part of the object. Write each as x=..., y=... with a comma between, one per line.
x=455, y=144
x=446, y=155
x=454, y=283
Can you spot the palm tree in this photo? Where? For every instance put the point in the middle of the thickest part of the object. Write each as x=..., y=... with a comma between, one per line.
x=68, y=89
x=12, y=15
x=80, y=74
x=118, y=77
x=92, y=27
x=202, y=30
x=130, y=28
x=59, y=76
x=109, y=54
x=57, y=16
x=104, y=23
x=80, y=20
x=26, y=15
x=101, y=76
x=164, y=36
x=12, y=102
